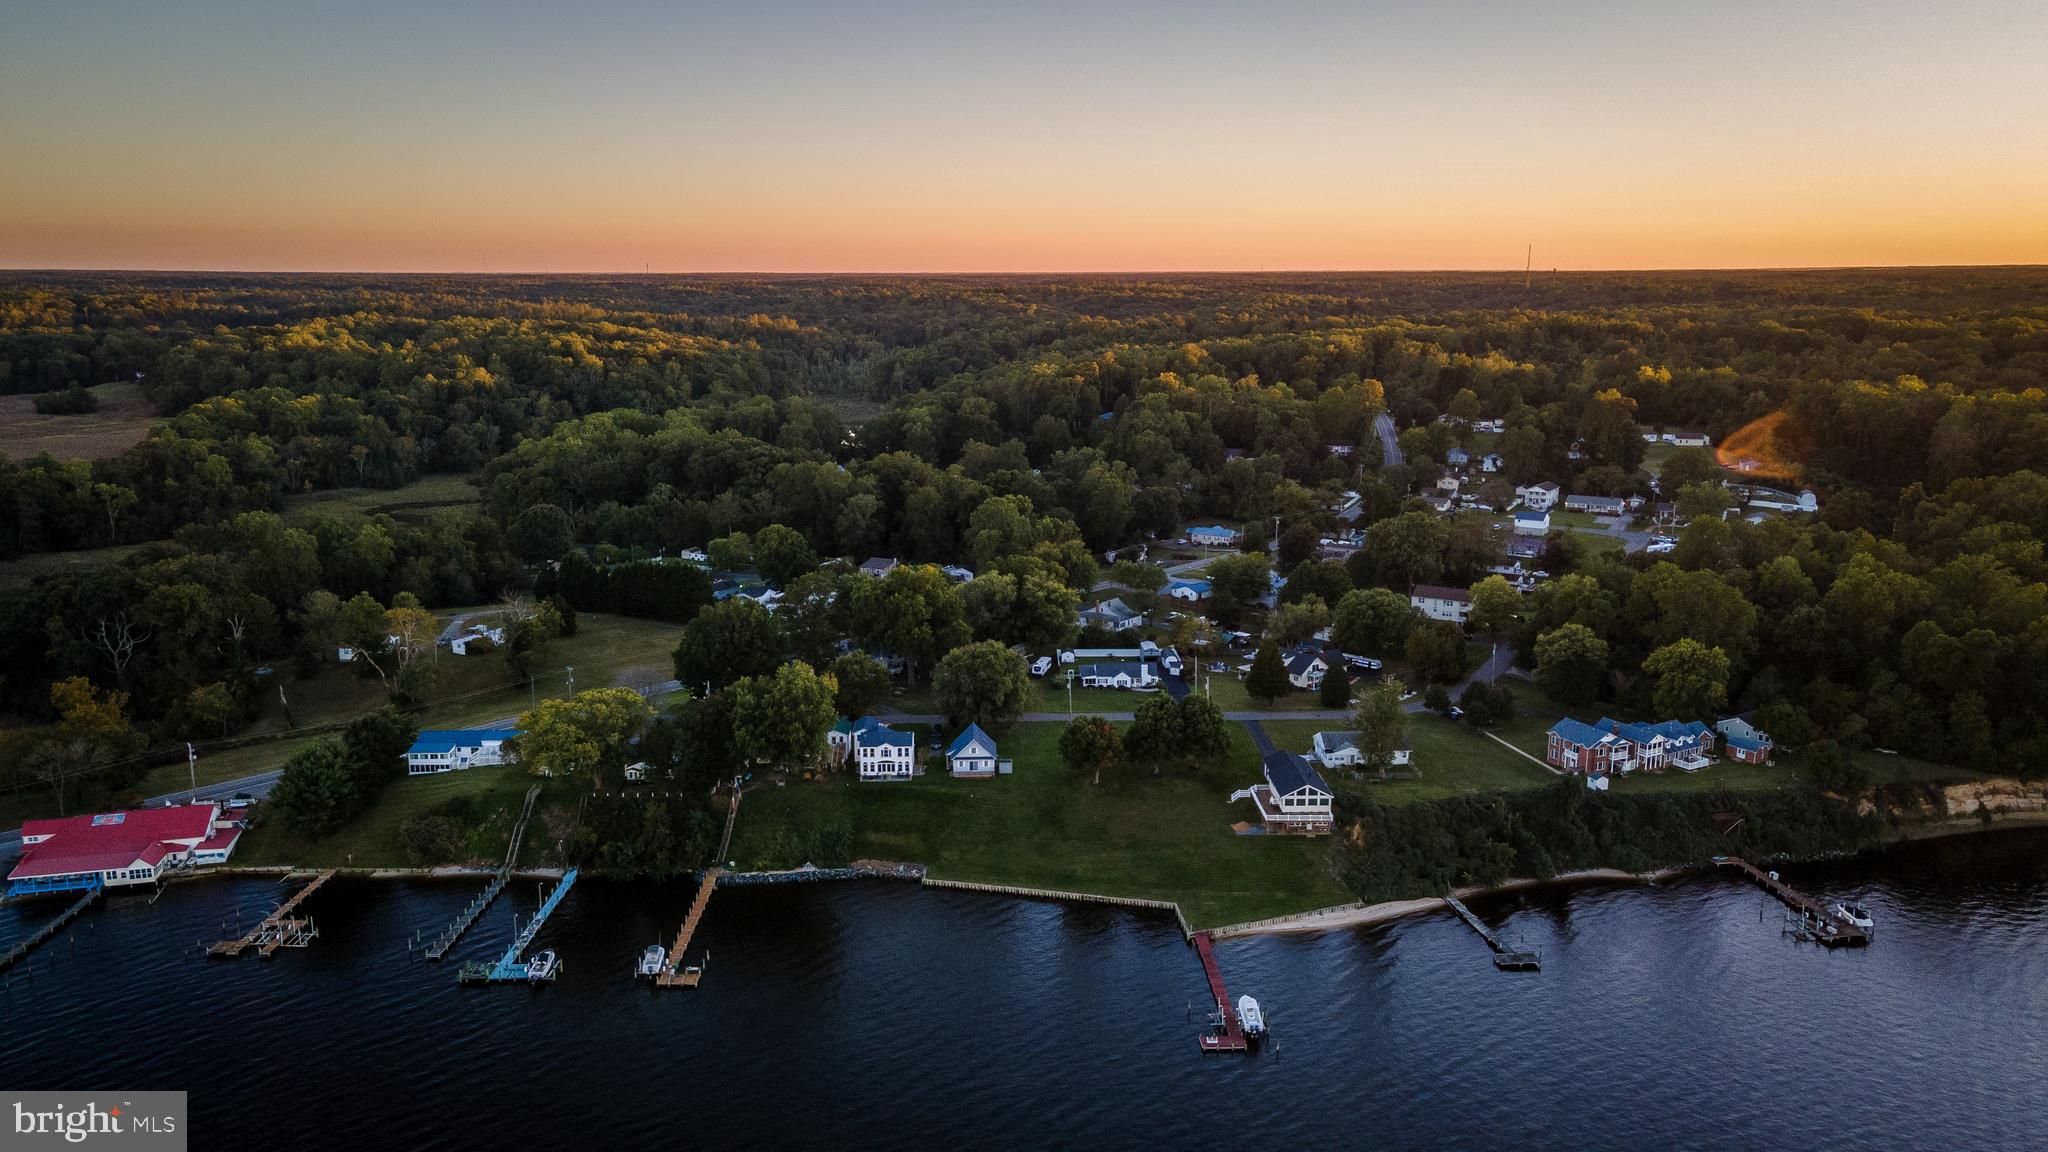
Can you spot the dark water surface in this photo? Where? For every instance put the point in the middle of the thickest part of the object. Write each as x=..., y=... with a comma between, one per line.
x=880, y=1014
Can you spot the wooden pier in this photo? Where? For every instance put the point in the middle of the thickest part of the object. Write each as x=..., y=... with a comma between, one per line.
x=23, y=948
x=446, y=940
x=1231, y=1037
x=280, y=929
x=1504, y=958
x=674, y=974
x=1826, y=927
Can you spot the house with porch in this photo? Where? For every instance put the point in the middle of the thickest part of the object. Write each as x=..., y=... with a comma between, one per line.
x=1294, y=799
x=1619, y=746
x=876, y=751
x=1597, y=505
x=1340, y=750
x=973, y=753
x=437, y=750
x=878, y=566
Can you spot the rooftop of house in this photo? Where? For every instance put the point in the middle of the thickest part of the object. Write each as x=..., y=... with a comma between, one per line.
x=1290, y=772
x=449, y=739
x=1580, y=732
x=970, y=735
x=107, y=840
x=1439, y=592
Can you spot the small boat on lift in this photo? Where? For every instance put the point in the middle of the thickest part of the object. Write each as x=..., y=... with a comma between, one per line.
x=544, y=966
x=652, y=961
x=1249, y=1017
x=1854, y=914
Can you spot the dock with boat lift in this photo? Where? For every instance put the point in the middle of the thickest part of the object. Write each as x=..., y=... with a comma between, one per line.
x=1230, y=1037
x=280, y=929
x=21, y=949
x=1816, y=919
x=1505, y=958
x=674, y=974
x=510, y=968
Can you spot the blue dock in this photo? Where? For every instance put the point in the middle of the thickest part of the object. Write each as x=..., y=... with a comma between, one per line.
x=91, y=893
x=510, y=968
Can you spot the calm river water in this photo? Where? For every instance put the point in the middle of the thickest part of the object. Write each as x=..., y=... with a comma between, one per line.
x=879, y=1014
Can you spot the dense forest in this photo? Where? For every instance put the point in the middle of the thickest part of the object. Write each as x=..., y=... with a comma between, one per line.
x=1027, y=426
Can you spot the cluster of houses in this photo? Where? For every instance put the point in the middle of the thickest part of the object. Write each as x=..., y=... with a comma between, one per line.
x=1614, y=746
x=116, y=849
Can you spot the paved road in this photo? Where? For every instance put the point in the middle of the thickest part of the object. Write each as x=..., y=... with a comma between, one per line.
x=1390, y=444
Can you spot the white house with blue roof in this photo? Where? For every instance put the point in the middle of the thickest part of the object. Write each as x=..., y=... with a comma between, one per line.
x=973, y=753
x=453, y=749
x=1214, y=535
x=1192, y=591
x=876, y=751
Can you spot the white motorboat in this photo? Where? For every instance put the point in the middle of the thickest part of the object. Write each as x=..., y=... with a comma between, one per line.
x=543, y=966
x=1854, y=914
x=652, y=961
x=1249, y=1017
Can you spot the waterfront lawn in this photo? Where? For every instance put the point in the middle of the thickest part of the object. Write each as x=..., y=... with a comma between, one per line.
x=1450, y=759
x=1167, y=838
x=371, y=840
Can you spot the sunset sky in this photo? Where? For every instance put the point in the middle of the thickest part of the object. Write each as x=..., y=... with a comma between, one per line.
x=608, y=136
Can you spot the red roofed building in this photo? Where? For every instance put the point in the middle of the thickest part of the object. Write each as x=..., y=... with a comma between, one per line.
x=115, y=848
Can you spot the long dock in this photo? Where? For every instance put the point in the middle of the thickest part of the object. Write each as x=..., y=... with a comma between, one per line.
x=1231, y=1038
x=446, y=940
x=1504, y=958
x=280, y=929
x=1827, y=928
x=673, y=973
x=510, y=968
x=24, y=947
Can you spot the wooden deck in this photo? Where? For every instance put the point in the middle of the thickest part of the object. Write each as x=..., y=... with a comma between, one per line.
x=1829, y=929
x=280, y=929
x=1231, y=1038
x=50, y=929
x=672, y=973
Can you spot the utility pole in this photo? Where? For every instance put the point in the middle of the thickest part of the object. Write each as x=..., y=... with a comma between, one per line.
x=572, y=678
x=1070, y=693
x=192, y=765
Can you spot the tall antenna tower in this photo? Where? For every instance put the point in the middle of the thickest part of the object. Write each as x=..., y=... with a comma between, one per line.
x=1528, y=262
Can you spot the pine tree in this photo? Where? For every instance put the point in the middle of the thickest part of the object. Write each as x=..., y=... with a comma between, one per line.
x=1267, y=680
x=1336, y=683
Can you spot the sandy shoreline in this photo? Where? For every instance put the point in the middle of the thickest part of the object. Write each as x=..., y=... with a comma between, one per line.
x=1357, y=915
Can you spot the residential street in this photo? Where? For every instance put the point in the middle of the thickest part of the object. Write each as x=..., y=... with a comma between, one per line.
x=1390, y=444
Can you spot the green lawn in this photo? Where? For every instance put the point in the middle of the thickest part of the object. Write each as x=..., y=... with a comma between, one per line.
x=372, y=840
x=1229, y=694
x=1451, y=760
x=423, y=496
x=1166, y=839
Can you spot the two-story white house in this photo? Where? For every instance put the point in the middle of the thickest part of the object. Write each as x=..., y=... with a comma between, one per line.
x=1440, y=603
x=1306, y=668
x=1538, y=497
x=876, y=751
x=453, y=749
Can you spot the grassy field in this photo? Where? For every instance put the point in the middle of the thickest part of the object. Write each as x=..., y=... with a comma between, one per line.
x=1229, y=694
x=1450, y=760
x=606, y=651
x=373, y=841
x=1164, y=839
x=124, y=417
x=417, y=499
x=24, y=570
